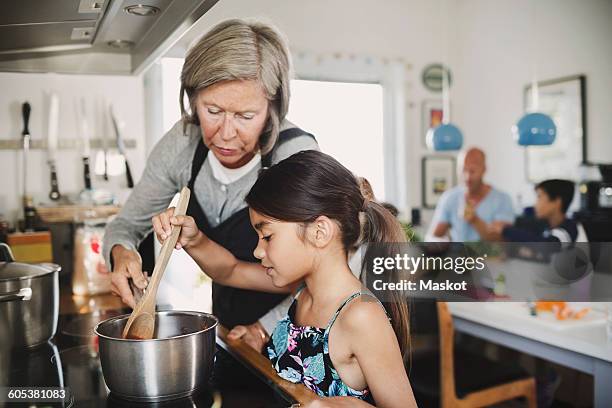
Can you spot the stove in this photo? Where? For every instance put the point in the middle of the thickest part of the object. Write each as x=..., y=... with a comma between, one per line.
x=71, y=360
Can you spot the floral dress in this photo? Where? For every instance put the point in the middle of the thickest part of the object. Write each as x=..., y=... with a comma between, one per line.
x=300, y=354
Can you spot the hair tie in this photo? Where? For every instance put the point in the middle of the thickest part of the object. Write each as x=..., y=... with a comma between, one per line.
x=365, y=204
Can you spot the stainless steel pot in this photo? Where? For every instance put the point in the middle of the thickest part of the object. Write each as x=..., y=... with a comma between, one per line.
x=29, y=300
x=175, y=363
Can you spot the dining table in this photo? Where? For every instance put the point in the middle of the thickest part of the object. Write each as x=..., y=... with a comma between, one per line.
x=583, y=346
x=512, y=321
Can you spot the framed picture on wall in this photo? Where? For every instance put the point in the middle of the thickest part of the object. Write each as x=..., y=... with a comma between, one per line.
x=564, y=101
x=432, y=116
x=438, y=174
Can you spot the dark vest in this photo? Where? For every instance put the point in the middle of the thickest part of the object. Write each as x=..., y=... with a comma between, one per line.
x=231, y=305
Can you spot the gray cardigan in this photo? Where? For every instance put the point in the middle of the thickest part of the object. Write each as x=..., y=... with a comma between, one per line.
x=168, y=169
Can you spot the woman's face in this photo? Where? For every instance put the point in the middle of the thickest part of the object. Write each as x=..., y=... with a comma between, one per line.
x=232, y=116
x=286, y=257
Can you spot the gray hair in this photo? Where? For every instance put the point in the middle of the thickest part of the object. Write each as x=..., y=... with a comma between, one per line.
x=240, y=50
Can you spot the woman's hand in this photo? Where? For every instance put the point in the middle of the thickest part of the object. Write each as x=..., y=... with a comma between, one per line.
x=190, y=233
x=254, y=335
x=127, y=264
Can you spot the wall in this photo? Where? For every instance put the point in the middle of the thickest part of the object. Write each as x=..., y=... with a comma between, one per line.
x=161, y=87
x=124, y=92
x=493, y=53
x=486, y=43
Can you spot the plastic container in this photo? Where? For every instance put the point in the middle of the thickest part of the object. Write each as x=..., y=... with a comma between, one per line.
x=90, y=275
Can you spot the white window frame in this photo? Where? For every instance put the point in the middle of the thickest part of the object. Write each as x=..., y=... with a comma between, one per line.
x=390, y=75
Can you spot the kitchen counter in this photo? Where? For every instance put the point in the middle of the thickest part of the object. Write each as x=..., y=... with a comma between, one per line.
x=72, y=304
x=71, y=360
x=74, y=212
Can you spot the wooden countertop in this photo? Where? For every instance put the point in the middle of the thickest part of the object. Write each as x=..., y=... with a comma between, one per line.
x=74, y=212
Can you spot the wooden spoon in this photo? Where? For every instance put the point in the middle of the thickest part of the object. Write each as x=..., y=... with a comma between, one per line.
x=141, y=324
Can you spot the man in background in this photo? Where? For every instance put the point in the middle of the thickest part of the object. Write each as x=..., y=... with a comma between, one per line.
x=468, y=212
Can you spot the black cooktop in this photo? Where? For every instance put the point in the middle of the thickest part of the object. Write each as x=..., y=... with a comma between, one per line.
x=71, y=360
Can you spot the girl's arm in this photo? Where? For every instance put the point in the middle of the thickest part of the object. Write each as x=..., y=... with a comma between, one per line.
x=378, y=355
x=216, y=261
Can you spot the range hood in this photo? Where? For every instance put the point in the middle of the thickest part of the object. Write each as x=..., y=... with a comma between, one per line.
x=92, y=36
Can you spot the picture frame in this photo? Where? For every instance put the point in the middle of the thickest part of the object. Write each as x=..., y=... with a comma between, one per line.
x=438, y=174
x=432, y=112
x=564, y=100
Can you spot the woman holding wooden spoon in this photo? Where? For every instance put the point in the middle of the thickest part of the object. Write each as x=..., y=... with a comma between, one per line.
x=236, y=79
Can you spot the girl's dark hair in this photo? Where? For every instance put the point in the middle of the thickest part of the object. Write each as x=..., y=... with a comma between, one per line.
x=310, y=184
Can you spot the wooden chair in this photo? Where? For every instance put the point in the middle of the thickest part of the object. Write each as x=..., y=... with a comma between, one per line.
x=451, y=378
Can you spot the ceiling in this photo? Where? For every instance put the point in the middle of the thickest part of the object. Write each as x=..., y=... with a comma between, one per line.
x=92, y=36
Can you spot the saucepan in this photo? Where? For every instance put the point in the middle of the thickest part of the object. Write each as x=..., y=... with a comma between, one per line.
x=176, y=363
x=29, y=301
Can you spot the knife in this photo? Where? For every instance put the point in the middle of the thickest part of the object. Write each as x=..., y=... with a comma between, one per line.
x=29, y=213
x=52, y=145
x=104, y=143
x=86, y=149
x=121, y=147
x=25, y=113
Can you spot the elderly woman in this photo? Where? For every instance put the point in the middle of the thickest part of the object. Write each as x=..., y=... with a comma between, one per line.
x=236, y=79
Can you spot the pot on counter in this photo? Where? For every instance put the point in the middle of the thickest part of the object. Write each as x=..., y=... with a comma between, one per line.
x=177, y=362
x=29, y=301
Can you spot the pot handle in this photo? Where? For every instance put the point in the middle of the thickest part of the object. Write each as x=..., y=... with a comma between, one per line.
x=21, y=294
x=6, y=255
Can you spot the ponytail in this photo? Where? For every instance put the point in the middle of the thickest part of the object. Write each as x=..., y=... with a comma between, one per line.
x=380, y=226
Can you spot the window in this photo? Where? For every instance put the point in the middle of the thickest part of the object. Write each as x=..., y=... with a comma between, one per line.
x=347, y=120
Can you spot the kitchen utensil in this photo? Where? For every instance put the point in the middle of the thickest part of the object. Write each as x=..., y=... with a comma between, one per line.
x=52, y=145
x=29, y=300
x=136, y=291
x=175, y=364
x=104, y=143
x=121, y=147
x=86, y=148
x=29, y=213
x=141, y=323
x=25, y=112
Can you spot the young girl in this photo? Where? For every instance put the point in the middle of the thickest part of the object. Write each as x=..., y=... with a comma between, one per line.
x=337, y=340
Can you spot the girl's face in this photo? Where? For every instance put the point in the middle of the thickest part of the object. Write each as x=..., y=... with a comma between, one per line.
x=232, y=115
x=285, y=255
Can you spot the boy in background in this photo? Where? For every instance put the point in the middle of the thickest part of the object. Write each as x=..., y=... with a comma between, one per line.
x=553, y=198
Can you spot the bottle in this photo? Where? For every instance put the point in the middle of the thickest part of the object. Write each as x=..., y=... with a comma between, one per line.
x=4, y=228
x=29, y=214
x=500, y=285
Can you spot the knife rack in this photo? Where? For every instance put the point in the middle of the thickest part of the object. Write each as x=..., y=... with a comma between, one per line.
x=65, y=144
